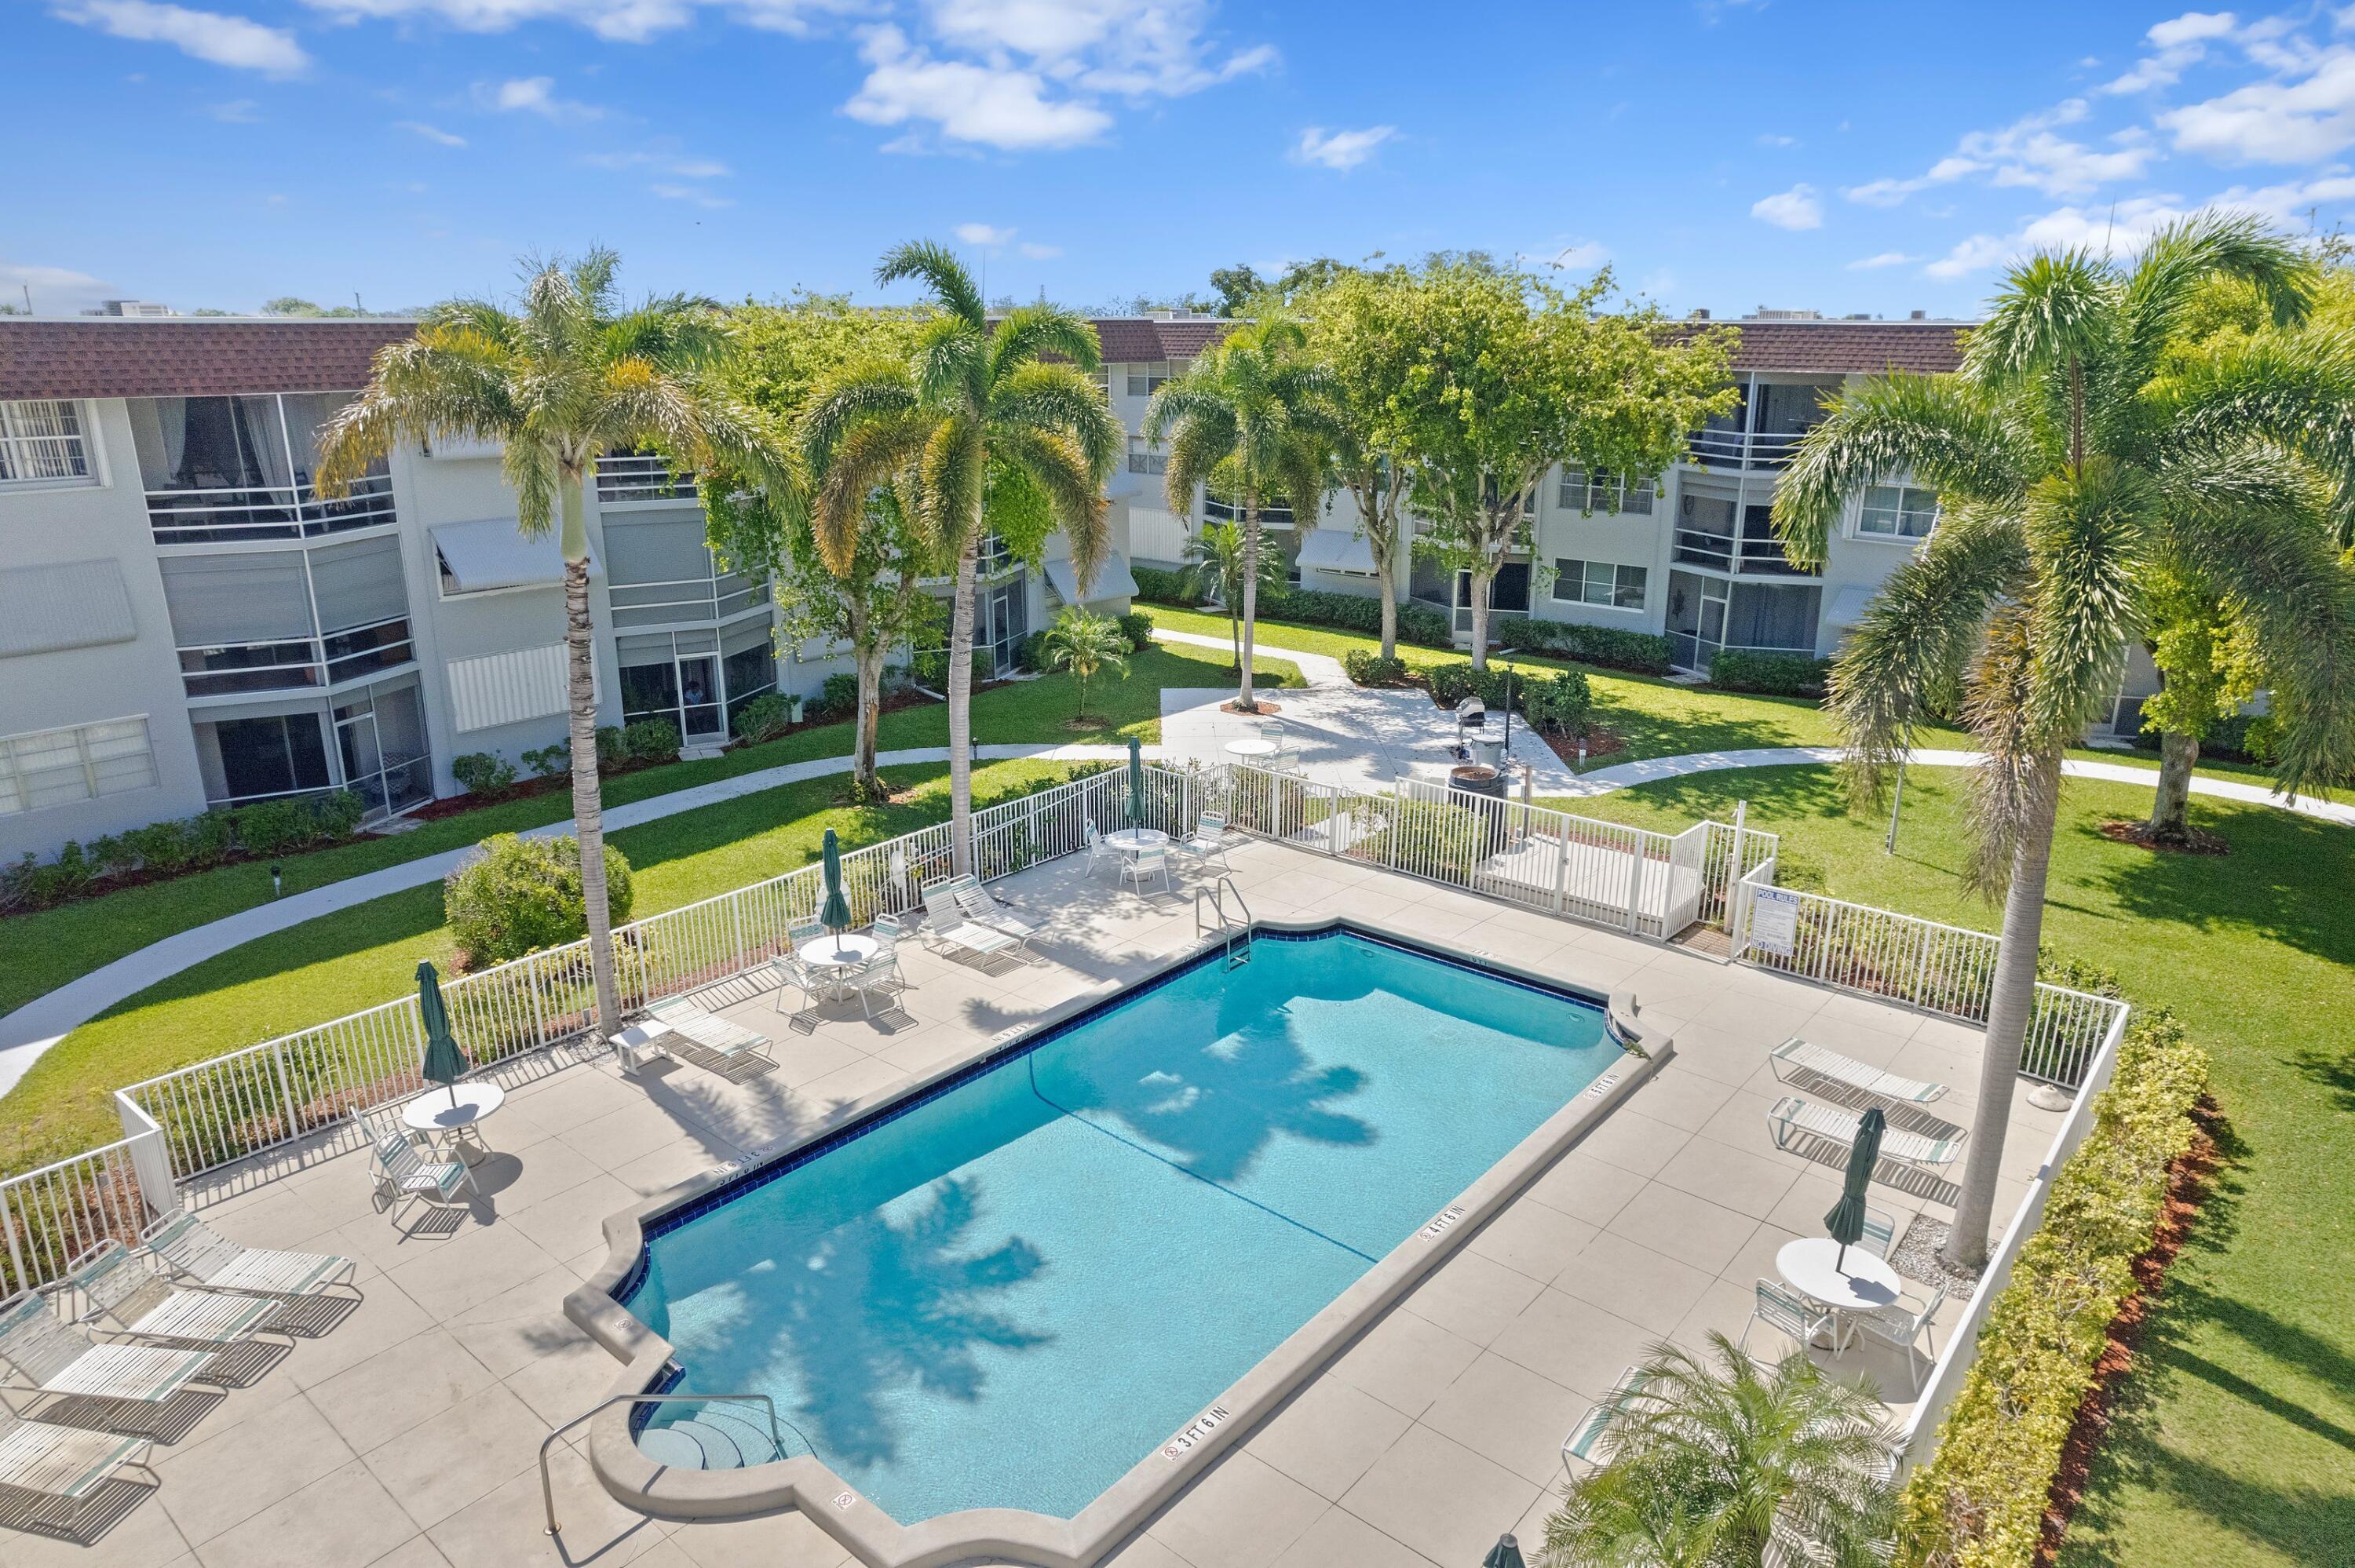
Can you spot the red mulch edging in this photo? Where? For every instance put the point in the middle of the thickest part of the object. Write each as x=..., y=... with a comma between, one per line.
x=2187, y=1188
x=2193, y=841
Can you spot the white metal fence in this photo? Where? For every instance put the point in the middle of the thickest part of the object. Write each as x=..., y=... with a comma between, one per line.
x=51, y=1215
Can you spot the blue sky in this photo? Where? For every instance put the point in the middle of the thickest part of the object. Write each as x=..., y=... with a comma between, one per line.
x=1839, y=157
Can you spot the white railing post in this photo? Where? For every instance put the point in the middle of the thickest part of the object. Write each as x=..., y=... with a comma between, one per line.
x=736, y=921
x=285, y=1086
x=538, y=1011
x=1561, y=870
x=15, y=1253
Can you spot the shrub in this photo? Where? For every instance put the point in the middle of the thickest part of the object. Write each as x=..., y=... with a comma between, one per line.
x=483, y=773
x=1445, y=841
x=1608, y=647
x=1156, y=586
x=112, y=856
x=611, y=749
x=1980, y=1498
x=1031, y=653
x=1451, y=683
x=1423, y=625
x=1367, y=668
x=338, y=814
x=1137, y=627
x=766, y=718
x=1563, y=703
x=651, y=740
x=1778, y=674
x=164, y=846
x=515, y=895
x=838, y=698
x=273, y=827
x=547, y=761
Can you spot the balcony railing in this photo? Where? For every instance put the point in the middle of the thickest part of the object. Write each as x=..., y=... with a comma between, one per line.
x=1752, y=555
x=266, y=512
x=1218, y=510
x=1745, y=448
x=341, y=656
x=640, y=476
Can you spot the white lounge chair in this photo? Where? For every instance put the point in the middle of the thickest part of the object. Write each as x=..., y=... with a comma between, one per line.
x=406, y=1166
x=1824, y=1062
x=950, y=930
x=1791, y=1114
x=705, y=1040
x=123, y=1297
x=195, y=1251
x=1780, y=1307
x=1581, y=1443
x=67, y=1463
x=983, y=909
x=1209, y=840
x=51, y=1358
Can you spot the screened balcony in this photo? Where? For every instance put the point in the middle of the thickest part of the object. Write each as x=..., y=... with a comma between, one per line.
x=226, y=469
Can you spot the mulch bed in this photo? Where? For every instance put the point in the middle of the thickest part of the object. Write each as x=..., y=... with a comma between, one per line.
x=1599, y=742
x=2193, y=841
x=1262, y=709
x=2187, y=1188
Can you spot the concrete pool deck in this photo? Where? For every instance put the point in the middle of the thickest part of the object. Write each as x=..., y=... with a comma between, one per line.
x=408, y=1435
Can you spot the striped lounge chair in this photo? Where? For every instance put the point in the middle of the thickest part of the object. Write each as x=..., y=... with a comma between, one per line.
x=1584, y=1438
x=705, y=1040
x=45, y=1356
x=194, y=1252
x=1792, y=1115
x=123, y=1298
x=42, y=1466
x=1824, y=1062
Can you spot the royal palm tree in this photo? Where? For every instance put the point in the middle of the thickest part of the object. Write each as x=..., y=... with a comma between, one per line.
x=568, y=374
x=1708, y=1464
x=2071, y=474
x=970, y=410
x=1218, y=561
x=1255, y=417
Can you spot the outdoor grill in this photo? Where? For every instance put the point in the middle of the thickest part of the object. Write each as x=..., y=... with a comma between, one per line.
x=1471, y=714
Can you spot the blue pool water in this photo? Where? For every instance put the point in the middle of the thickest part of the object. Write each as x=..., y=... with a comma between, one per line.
x=1009, y=1294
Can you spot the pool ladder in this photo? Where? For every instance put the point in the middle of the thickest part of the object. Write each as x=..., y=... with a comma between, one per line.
x=1238, y=937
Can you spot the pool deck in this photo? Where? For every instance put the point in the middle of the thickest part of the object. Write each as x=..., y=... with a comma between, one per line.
x=406, y=1436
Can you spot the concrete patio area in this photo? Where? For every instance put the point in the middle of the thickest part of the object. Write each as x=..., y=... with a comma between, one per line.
x=406, y=1436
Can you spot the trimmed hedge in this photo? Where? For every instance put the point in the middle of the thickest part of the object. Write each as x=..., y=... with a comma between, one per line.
x=180, y=845
x=1979, y=1501
x=1417, y=623
x=1367, y=668
x=1156, y=585
x=483, y=772
x=1137, y=627
x=1607, y=646
x=1776, y=675
x=766, y=718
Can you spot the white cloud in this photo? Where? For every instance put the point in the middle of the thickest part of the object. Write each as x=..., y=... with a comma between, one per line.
x=2117, y=231
x=983, y=234
x=1580, y=256
x=2177, y=45
x=620, y=21
x=694, y=194
x=432, y=133
x=1039, y=253
x=2029, y=152
x=1342, y=150
x=532, y=95
x=663, y=162
x=994, y=105
x=1774, y=139
x=236, y=112
x=55, y=291
x=1884, y=258
x=2301, y=116
x=233, y=41
x=2192, y=28
x=1795, y=208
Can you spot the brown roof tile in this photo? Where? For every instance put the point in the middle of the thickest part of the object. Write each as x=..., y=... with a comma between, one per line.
x=1848, y=348
x=107, y=358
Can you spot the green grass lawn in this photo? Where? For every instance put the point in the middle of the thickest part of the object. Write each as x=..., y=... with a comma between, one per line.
x=48, y=948
x=356, y=958
x=2236, y=1444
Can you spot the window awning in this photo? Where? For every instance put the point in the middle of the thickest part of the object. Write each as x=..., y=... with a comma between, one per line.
x=1849, y=607
x=1335, y=550
x=488, y=555
x=71, y=604
x=1113, y=581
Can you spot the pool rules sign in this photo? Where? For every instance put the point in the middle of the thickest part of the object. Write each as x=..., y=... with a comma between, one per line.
x=1775, y=920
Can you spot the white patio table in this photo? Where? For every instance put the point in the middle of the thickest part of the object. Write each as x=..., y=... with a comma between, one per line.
x=835, y=959
x=456, y=1116
x=1860, y=1282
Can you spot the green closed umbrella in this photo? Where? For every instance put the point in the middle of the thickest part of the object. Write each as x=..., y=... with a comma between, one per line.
x=1506, y=1554
x=444, y=1062
x=1846, y=1221
x=1136, y=783
x=835, y=915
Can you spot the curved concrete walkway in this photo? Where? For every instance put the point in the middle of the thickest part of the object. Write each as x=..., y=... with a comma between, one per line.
x=42, y=1023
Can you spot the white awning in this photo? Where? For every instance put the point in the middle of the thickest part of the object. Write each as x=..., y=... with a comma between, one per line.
x=1113, y=581
x=1335, y=550
x=490, y=553
x=1848, y=606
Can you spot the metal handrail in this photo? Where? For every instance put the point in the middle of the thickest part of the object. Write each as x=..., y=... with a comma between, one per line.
x=547, y=1487
x=1217, y=892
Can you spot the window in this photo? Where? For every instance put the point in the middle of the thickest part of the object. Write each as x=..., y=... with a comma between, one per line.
x=1103, y=379
x=1143, y=458
x=58, y=766
x=1898, y=512
x=42, y=440
x=1606, y=583
x=1604, y=491
x=1144, y=380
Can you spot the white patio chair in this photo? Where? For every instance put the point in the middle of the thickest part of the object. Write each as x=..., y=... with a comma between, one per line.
x=1098, y=850
x=1795, y=1054
x=1780, y=1307
x=123, y=1297
x=1208, y=840
x=1836, y=1123
x=406, y=1166
x=1583, y=1437
x=1902, y=1324
x=1880, y=1233
x=192, y=1249
x=790, y=971
x=1145, y=863
x=67, y=1463
x=47, y=1357
x=982, y=908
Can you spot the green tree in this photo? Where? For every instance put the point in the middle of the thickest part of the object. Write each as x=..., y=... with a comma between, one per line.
x=1085, y=644
x=1362, y=330
x=515, y=895
x=1512, y=376
x=1236, y=286
x=1216, y=562
x=976, y=426
x=1709, y=1465
x=1254, y=416
x=2070, y=471
x=782, y=358
x=566, y=376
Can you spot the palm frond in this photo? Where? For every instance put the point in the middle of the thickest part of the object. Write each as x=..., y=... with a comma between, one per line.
x=952, y=475
x=1195, y=453
x=1028, y=333
x=873, y=453
x=1949, y=434
x=2054, y=309
x=447, y=380
x=2294, y=390
x=2182, y=256
x=869, y=389
x=2018, y=766
x=936, y=267
x=2090, y=533
x=1060, y=397
x=950, y=363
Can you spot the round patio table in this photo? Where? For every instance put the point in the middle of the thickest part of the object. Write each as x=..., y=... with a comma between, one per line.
x=1135, y=841
x=456, y=1116
x=1863, y=1283
x=1252, y=751
x=835, y=959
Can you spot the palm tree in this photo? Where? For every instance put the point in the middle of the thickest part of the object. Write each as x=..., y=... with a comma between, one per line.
x=1085, y=644
x=970, y=411
x=1710, y=1464
x=1256, y=415
x=2071, y=474
x=1220, y=562
x=566, y=376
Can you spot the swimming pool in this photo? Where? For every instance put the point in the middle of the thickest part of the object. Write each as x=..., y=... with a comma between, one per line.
x=1008, y=1292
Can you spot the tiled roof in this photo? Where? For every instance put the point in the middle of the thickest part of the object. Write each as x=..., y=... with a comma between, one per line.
x=1848, y=346
x=107, y=358
x=1139, y=340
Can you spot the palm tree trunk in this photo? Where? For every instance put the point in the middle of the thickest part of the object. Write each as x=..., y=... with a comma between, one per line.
x=866, y=658
x=961, y=707
x=2011, y=1007
x=587, y=808
x=2170, y=815
x=1251, y=598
